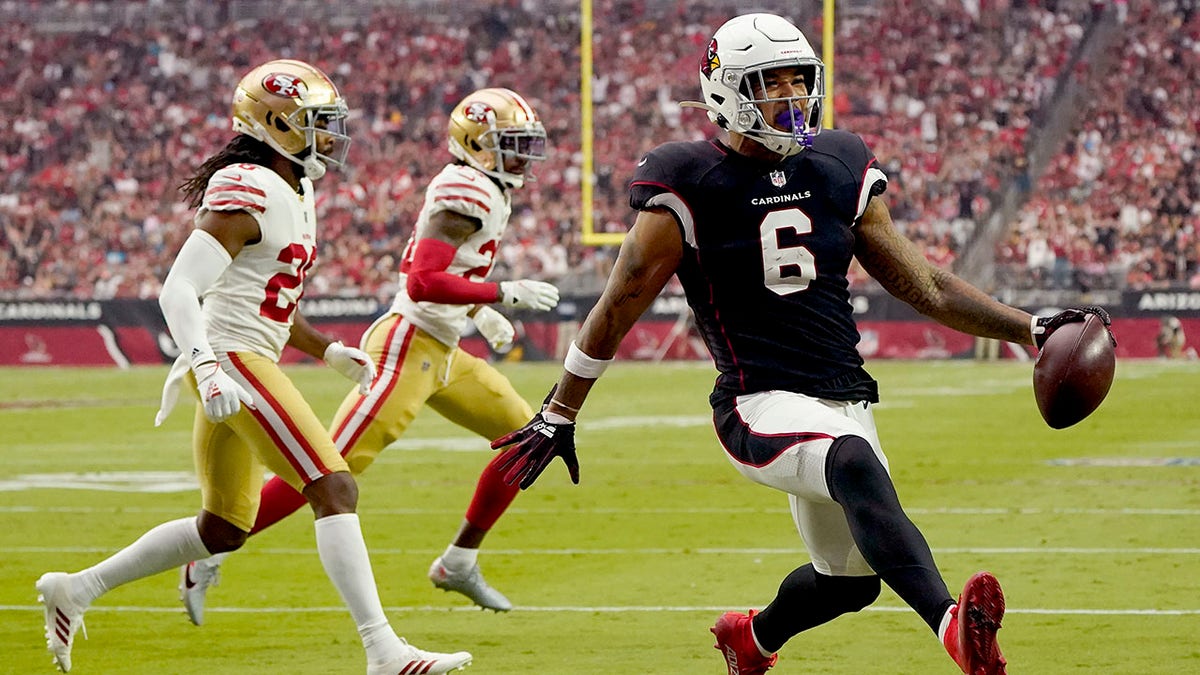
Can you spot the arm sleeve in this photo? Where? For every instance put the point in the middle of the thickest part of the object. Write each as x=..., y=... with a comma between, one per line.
x=428, y=280
x=199, y=264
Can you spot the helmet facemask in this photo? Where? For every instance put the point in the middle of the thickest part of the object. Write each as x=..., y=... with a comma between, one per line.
x=793, y=128
x=328, y=142
x=527, y=145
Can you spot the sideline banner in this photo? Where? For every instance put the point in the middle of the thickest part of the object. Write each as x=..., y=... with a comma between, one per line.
x=132, y=332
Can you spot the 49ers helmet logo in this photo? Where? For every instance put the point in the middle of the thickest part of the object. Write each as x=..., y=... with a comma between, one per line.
x=478, y=112
x=282, y=84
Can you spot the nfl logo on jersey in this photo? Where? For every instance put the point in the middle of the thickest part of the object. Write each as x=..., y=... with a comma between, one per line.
x=778, y=179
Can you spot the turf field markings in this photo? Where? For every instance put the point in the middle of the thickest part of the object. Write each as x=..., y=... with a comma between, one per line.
x=604, y=609
x=682, y=550
x=951, y=511
x=75, y=403
x=1126, y=461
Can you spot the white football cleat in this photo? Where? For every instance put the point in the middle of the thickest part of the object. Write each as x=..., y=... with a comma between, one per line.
x=194, y=580
x=413, y=661
x=63, y=617
x=470, y=584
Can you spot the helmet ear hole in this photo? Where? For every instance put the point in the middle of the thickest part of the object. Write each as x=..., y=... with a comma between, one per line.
x=277, y=122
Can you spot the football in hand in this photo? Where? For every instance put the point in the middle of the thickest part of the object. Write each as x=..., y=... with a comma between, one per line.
x=1074, y=372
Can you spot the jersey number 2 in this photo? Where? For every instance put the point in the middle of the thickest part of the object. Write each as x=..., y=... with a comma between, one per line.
x=293, y=254
x=788, y=266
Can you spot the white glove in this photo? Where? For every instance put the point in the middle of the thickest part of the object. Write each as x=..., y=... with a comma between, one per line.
x=355, y=364
x=494, y=328
x=221, y=395
x=529, y=294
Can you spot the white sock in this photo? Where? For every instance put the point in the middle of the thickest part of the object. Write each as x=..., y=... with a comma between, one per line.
x=162, y=548
x=344, y=555
x=459, y=559
x=945, y=625
x=762, y=651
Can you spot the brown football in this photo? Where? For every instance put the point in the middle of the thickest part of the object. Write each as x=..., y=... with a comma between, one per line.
x=1074, y=372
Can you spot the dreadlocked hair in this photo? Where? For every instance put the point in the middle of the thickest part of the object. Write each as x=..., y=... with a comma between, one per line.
x=241, y=149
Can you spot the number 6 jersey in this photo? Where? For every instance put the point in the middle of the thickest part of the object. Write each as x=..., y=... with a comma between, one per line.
x=250, y=307
x=767, y=245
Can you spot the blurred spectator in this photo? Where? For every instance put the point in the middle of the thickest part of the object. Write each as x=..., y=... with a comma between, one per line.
x=105, y=125
x=1172, y=343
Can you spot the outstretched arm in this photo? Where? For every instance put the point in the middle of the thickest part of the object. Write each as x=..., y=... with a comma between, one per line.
x=897, y=264
x=429, y=280
x=649, y=256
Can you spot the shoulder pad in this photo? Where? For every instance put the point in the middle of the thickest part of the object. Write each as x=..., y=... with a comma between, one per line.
x=237, y=187
x=464, y=190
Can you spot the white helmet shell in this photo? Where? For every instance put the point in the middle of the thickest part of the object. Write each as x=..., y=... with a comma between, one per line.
x=731, y=72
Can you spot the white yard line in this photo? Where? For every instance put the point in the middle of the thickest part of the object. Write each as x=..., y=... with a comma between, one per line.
x=940, y=511
x=610, y=609
x=653, y=551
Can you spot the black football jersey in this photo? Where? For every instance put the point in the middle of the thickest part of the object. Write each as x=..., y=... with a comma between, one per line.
x=767, y=245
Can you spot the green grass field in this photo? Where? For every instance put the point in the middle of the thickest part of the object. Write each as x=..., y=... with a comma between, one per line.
x=1094, y=531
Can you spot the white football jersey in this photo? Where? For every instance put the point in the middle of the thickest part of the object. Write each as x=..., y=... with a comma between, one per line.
x=464, y=190
x=252, y=304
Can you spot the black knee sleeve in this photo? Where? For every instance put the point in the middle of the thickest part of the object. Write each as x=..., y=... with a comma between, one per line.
x=852, y=470
x=890, y=542
x=807, y=599
x=855, y=593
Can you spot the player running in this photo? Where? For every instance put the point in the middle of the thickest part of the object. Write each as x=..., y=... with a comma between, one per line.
x=230, y=301
x=495, y=136
x=761, y=229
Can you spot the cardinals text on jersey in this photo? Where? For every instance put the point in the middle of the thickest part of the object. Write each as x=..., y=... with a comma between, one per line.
x=767, y=248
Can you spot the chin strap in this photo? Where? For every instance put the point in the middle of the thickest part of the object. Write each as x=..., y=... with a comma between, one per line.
x=314, y=169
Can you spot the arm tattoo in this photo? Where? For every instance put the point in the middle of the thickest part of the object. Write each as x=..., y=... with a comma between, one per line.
x=903, y=271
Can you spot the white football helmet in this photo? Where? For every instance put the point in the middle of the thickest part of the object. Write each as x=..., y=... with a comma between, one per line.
x=491, y=124
x=296, y=109
x=732, y=83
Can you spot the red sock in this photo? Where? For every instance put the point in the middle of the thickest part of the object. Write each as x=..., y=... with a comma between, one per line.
x=278, y=501
x=491, y=497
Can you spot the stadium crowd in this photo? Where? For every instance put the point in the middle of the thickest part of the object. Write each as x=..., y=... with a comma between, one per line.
x=1120, y=205
x=103, y=130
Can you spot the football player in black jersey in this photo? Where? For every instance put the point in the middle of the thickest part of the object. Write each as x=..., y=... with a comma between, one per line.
x=761, y=228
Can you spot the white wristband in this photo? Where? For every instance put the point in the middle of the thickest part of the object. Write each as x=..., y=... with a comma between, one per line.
x=581, y=365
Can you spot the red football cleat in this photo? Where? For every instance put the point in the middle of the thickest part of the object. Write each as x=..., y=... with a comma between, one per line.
x=736, y=643
x=971, y=636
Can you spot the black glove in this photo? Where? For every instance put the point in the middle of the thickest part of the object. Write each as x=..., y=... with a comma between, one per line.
x=534, y=446
x=1043, y=326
